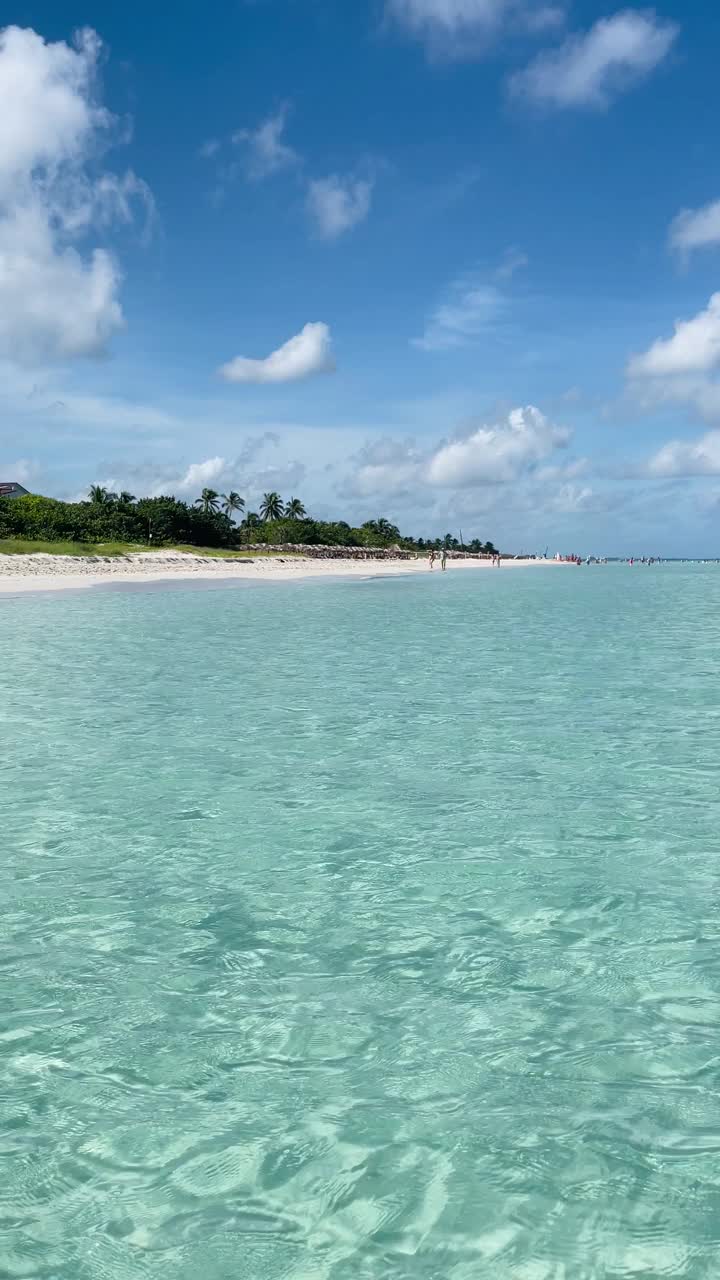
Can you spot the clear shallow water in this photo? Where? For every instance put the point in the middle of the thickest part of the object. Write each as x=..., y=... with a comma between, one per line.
x=363, y=930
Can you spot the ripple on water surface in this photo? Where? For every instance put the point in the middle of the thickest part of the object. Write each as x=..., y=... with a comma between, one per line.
x=353, y=932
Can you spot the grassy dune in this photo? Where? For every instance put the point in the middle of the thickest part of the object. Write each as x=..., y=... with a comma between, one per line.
x=25, y=547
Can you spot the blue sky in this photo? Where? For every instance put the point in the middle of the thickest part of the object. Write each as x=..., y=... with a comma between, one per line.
x=418, y=258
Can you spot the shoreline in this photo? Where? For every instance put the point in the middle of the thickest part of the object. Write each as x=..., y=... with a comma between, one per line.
x=41, y=572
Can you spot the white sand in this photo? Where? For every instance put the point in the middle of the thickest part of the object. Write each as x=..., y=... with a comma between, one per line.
x=41, y=572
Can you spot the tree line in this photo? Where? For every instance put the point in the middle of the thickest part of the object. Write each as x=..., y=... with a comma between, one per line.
x=213, y=520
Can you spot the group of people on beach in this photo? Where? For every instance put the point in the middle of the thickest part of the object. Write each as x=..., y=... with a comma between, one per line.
x=443, y=559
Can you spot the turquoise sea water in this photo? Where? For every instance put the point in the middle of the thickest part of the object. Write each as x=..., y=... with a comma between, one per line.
x=362, y=930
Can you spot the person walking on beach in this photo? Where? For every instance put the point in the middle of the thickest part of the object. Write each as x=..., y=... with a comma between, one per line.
x=443, y=559
x=432, y=558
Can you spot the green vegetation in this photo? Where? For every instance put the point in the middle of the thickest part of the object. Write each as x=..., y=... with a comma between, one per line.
x=110, y=518
x=26, y=546
x=114, y=524
x=30, y=546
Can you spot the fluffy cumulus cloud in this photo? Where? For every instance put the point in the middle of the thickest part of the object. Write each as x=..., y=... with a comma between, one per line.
x=465, y=28
x=337, y=204
x=494, y=453
x=688, y=457
x=202, y=475
x=696, y=228
x=54, y=304
x=694, y=347
x=265, y=150
x=56, y=301
x=497, y=452
x=309, y=352
x=590, y=69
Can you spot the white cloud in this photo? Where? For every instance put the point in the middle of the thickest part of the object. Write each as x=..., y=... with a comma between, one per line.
x=697, y=393
x=694, y=347
x=154, y=480
x=266, y=151
x=688, y=458
x=491, y=454
x=496, y=452
x=112, y=198
x=471, y=309
x=590, y=69
x=202, y=475
x=465, y=28
x=309, y=352
x=47, y=98
x=55, y=302
x=696, y=228
x=701, y=393
x=336, y=204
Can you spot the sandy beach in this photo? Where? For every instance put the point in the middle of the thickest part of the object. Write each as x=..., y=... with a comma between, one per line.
x=41, y=572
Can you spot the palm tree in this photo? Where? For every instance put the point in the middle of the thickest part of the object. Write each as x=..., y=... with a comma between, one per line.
x=294, y=510
x=126, y=497
x=381, y=530
x=209, y=500
x=232, y=502
x=252, y=520
x=271, y=507
x=101, y=497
